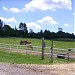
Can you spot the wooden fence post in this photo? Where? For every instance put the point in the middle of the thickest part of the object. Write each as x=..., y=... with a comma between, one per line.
x=52, y=52
x=10, y=46
x=68, y=54
x=17, y=47
x=42, y=48
x=37, y=49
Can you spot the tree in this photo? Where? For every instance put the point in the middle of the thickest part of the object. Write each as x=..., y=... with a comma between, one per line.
x=15, y=28
x=30, y=31
x=7, y=30
x=6, y=27
x=26, y=33
x=60, y=29
x=47, y=34
x=22, y=27
x=32, y=34
x=1, y=24
x=40, y=34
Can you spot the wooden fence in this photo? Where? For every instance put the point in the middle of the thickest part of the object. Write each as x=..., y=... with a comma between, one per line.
x=36, y=50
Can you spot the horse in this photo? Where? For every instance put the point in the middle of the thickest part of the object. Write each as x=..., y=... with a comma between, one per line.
x=28, y=44
x=23, y=42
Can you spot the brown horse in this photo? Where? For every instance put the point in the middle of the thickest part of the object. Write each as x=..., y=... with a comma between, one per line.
x=23, y=42
x=28, y=44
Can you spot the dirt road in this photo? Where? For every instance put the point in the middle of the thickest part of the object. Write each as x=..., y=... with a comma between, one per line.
x=32, y=69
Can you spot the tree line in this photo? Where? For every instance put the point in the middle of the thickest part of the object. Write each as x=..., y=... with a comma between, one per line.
x=7, y=31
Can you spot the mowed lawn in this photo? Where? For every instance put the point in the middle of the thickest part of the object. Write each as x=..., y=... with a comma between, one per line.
x=38, y=42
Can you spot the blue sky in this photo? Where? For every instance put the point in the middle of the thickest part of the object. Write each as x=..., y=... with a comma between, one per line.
x=39, y=14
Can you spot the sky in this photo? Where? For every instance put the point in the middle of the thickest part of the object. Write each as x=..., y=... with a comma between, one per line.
x=39, y=14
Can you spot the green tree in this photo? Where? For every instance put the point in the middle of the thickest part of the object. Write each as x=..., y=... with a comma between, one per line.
x=7, y=30
x=47, y=34
x=60, y=29
x=32, y=34
x=40, y=34
x=1, y=24
x=22, y=27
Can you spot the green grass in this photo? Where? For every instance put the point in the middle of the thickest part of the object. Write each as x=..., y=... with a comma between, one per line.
x=64, y=45
x=38, y=42
x=19, y=58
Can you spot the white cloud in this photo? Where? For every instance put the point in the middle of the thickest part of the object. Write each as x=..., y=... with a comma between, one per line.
x=8, y=20
x=33, y=25
x=5, y=8
x=13, y=9
x=48, y=5
x=48, y=20
x=67, y=25
x=9, y=24
x=74, y=14
x=42, y=5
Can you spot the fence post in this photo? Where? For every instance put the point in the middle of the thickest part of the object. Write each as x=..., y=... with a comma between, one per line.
x=42, y=48
x=17, y=47
x=26, y=47
x=52, y=52
x=4, y=46
x=37, y=50
x=10, y=46
x=69, y=53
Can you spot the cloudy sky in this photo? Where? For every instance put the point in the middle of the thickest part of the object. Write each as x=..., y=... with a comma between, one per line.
x=39, y=14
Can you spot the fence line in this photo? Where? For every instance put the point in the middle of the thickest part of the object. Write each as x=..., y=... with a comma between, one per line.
x=18, y=47
x=36, y=49
x=3, y=45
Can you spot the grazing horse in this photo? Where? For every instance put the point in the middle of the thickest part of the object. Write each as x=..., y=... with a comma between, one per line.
x=28, y=44
x=23, y=42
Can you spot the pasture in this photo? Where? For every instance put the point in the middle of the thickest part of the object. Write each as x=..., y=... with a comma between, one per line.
x=38, y=42
x=13, y=57
x=20, y=58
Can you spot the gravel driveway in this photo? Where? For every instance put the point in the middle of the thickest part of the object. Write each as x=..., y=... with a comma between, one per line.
x=32, y=69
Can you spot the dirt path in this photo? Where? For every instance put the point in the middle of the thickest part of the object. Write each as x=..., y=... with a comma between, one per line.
x=31, y=69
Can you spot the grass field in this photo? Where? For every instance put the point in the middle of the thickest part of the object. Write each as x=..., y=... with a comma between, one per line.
x=19, y=58
x=38, y=42
x=12, y=57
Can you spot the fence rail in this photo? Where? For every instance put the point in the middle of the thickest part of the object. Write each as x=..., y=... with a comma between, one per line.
x=36, y=49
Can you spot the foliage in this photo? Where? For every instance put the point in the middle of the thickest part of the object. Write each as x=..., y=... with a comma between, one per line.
x=60, y=29
x=1, y=24
x=22, y=27
x=7, y=31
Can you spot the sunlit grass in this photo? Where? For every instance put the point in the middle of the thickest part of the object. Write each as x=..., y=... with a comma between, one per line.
x=20, y=58
x=38, y=42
